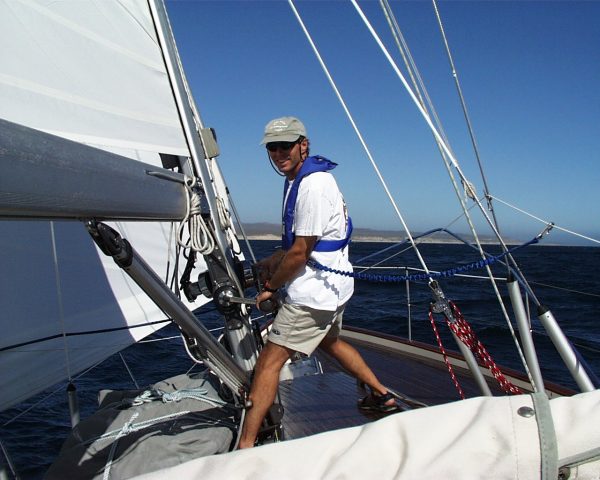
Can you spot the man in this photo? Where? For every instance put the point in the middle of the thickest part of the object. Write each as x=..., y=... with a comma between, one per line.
x=315, y=225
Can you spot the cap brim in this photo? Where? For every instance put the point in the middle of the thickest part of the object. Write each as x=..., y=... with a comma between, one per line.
x=289, y=137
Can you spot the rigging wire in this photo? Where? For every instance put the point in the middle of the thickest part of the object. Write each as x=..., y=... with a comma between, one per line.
x=488, y=196
x=129, y=371
x=420, y=90
x=375, y=266
x=434, y=272
x=445, y=229
x=465, y=112
x=426, y=117
x=122, y=345
x=102, y=331
x=88, y=332
x=46, y=397
x=418, y=84
x=80, y=375
x=358, y=133
x=448, y=155
x=8, y=460
x=546, y=222
x=239, y=222
x=61, y=311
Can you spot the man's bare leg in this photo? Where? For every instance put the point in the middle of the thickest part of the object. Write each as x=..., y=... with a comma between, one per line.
x=353, y=362
x=263, y=390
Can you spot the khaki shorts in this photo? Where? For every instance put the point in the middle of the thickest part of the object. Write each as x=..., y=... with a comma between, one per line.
x=303, y=328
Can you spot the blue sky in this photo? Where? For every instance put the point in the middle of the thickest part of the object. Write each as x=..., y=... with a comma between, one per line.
x=529, y=70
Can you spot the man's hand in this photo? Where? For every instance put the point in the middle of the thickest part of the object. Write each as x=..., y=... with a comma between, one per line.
x=262, y=296
x=267, y=266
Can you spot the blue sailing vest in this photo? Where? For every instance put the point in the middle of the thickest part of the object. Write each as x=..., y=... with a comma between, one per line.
x=310, y=165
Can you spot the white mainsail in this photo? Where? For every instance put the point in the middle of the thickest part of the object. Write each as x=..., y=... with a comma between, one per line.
x=91, y=72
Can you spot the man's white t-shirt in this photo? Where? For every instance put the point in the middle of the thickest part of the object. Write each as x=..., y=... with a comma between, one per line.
x=321, y=212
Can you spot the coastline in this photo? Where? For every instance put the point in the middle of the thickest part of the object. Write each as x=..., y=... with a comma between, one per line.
x=271, y=232
x=372, y=239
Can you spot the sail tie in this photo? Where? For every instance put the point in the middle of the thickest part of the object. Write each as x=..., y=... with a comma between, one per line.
x=135, y=427
x=192, y=393
x=113, y=448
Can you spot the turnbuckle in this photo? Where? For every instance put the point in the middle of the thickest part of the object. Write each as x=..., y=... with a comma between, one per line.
x=440, y=303
x=545, y=231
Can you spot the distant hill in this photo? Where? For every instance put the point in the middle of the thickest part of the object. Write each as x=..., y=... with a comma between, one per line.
x=272, y=231
x=255, y=230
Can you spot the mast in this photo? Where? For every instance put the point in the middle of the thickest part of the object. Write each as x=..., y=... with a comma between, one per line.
x=224, y=279
x=49, y=177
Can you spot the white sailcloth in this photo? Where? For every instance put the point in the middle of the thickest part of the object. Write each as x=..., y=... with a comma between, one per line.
x=479, y=438
x=91, y=72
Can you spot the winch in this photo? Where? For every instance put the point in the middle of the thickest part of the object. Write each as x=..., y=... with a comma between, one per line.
x=226, y=300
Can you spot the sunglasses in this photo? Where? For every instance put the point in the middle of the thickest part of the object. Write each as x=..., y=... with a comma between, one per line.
x=285, y=146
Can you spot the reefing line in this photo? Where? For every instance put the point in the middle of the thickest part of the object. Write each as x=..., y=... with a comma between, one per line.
x=200, y=238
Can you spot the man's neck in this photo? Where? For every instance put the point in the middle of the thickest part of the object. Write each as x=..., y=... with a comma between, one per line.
x=292, y=175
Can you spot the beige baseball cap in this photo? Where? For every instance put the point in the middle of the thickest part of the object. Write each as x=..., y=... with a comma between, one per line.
x=283, y=129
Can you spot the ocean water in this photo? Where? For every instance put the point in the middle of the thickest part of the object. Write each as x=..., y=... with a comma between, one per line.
x=563, y=278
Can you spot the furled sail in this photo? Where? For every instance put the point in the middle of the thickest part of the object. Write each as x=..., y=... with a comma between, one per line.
x=91, y=72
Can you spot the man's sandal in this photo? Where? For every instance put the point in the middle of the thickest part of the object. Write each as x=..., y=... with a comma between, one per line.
x=377, y=403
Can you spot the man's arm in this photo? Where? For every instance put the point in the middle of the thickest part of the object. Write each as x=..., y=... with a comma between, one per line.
x=292, y=262
x=267, y=267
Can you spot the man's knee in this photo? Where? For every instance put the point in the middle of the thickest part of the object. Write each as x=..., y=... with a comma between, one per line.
x=329, y=343
x=273, y=356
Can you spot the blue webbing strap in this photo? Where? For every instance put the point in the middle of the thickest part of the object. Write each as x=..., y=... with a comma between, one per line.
x=333, y=245
x=420, y=276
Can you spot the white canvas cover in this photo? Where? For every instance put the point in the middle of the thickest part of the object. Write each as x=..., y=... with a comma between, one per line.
x=479, y=438
x=90, y=72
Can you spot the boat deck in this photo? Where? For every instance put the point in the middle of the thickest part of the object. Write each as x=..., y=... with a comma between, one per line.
x=318, y=403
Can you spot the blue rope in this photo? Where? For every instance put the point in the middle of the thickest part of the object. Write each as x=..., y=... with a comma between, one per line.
x=420, y=276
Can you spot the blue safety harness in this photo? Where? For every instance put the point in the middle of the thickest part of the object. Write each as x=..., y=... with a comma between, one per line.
x=310, y=165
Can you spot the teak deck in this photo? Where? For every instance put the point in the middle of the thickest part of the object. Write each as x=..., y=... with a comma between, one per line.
x=318, y=403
